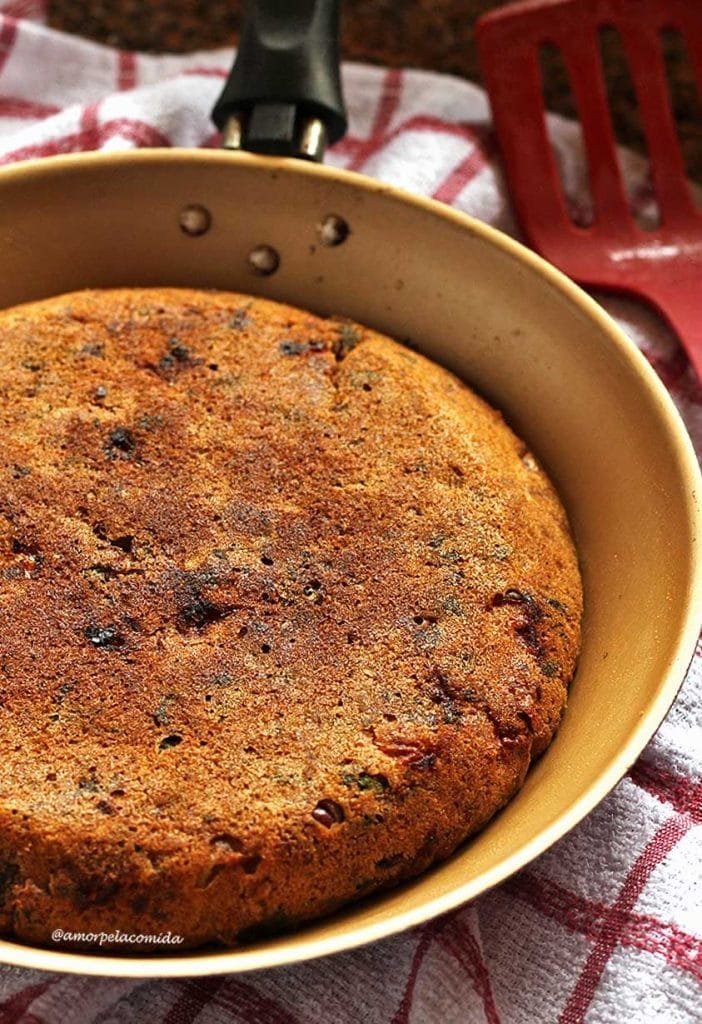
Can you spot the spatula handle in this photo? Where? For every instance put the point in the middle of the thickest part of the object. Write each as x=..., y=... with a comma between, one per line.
x=283, y=95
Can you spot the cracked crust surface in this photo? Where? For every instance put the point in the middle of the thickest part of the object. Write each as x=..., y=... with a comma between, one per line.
x=285, y=613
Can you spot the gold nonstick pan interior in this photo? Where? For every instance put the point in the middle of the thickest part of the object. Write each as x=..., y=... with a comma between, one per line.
x=515, y=329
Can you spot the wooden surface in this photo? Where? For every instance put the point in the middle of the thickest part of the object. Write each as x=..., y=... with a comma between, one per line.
x=436, y=34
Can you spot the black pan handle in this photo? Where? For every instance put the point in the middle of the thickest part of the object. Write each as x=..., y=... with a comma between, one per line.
x=283, y=96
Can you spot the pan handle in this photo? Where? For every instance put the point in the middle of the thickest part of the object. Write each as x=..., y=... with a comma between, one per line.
x=283, y=96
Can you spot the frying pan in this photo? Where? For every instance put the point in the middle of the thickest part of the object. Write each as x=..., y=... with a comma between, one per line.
x=512, y=326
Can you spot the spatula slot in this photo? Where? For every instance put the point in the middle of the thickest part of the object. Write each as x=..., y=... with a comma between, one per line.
x=570, y=159
x=624, y=112
x=684, y=93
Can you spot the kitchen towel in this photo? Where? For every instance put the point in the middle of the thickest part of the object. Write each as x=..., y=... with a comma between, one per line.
x=607, y=926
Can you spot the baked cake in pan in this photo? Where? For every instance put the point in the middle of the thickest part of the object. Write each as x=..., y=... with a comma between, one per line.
x=286, y=611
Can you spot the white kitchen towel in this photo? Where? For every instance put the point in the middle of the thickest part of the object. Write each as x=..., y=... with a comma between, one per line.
x=607, y=926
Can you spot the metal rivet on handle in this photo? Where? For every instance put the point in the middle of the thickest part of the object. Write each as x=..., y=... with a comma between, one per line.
x=264, y=260
x=194, y=220
x=333, y=230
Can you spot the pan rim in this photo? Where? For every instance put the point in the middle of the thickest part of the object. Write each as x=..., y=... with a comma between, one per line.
x=192, y=963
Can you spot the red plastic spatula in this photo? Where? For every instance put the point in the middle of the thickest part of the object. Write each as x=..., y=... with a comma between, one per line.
x=664, y=265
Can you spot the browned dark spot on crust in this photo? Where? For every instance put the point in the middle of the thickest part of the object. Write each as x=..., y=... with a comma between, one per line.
x=107, y=638
x=328, y=813
x=120, y=443
x=532, y=615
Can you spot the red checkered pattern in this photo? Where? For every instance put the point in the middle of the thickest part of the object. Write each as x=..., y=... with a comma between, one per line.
x=607, y=926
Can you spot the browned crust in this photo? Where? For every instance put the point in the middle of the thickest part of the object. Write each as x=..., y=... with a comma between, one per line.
x=285, y=612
